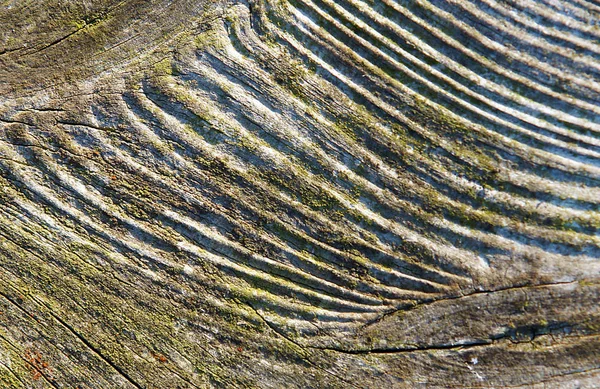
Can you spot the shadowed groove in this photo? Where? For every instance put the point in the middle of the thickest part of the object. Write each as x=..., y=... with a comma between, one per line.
x=367, y=190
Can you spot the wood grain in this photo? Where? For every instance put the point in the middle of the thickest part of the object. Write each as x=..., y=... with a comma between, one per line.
x=302, y=193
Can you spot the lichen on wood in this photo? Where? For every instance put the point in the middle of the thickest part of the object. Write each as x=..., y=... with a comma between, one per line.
x=302, y=193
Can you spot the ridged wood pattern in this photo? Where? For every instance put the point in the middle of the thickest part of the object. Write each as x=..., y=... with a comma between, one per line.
x=303, y=193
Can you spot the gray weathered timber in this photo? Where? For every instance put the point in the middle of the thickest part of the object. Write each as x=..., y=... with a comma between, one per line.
x=299, y=194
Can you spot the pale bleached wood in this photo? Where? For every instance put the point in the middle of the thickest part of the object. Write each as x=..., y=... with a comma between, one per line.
x=310, y=194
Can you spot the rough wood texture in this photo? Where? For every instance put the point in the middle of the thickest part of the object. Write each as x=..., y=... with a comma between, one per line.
x=303, y=193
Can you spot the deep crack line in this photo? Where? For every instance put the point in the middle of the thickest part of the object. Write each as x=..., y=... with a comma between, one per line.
x=94, y=349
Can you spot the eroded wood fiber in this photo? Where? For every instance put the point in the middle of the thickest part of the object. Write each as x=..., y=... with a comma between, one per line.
x=303, y=193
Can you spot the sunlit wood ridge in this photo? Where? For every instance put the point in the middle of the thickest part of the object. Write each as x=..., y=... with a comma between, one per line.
x=299, y=194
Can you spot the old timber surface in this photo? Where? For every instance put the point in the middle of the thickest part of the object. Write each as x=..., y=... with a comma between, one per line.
x=299, y=194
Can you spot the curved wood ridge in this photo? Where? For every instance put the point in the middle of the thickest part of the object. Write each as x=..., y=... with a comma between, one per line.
x=301, y=193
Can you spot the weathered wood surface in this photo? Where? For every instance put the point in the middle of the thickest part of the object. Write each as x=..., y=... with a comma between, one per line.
x=304, y=193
